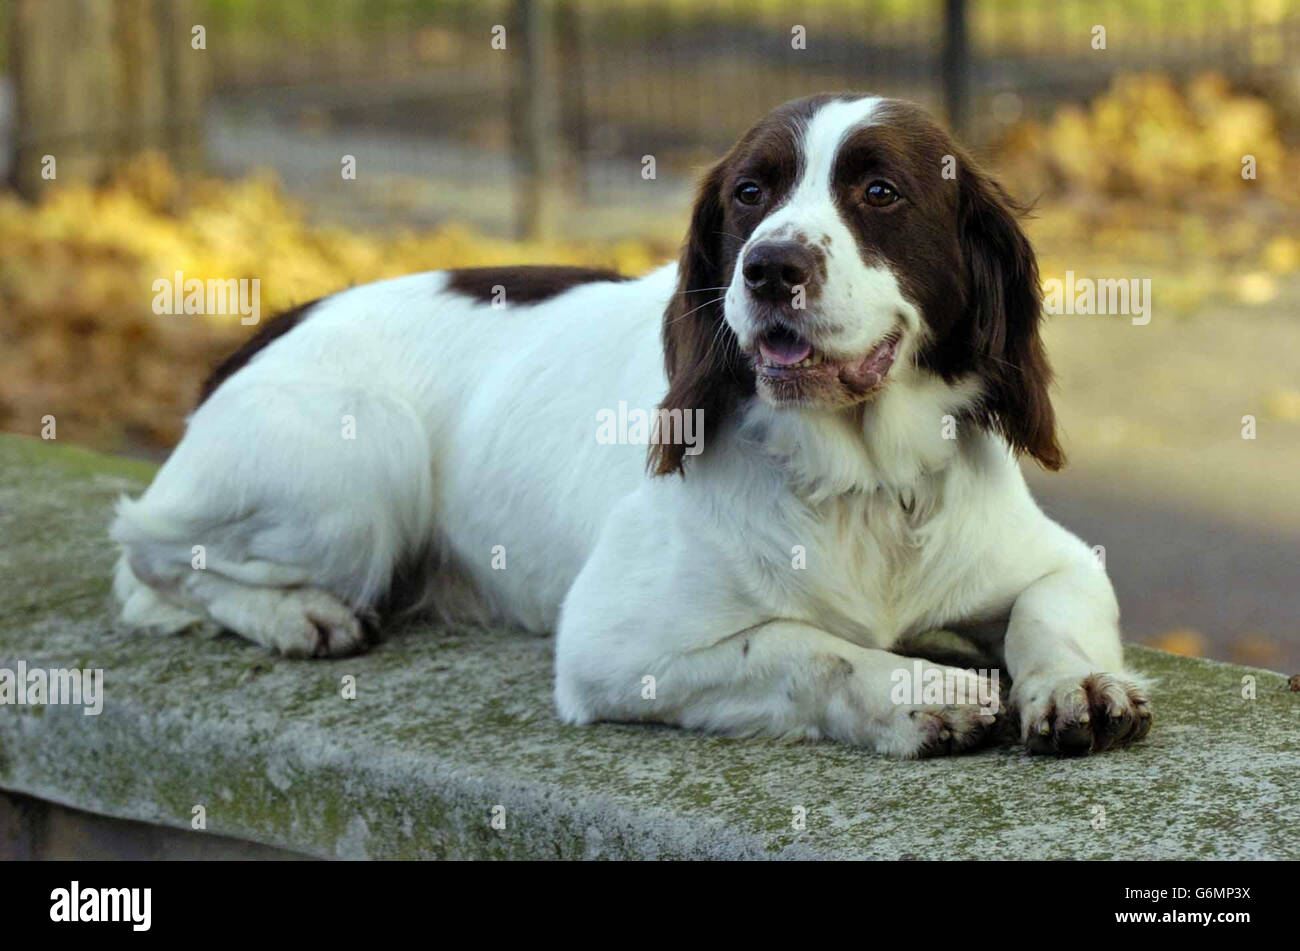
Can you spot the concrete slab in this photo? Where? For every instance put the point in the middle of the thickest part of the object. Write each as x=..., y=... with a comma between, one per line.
x=452, y=726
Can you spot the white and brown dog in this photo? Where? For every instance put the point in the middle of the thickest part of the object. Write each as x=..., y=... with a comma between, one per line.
x=855, y=315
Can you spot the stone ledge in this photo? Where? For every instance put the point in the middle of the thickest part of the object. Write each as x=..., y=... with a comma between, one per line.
x=450, y=722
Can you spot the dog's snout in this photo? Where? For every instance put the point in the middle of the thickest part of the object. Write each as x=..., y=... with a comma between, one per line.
x=773, y=269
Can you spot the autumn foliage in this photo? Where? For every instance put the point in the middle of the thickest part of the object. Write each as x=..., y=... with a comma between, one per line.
x=1146, y=176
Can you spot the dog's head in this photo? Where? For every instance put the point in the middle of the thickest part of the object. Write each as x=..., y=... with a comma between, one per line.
x=846, y=244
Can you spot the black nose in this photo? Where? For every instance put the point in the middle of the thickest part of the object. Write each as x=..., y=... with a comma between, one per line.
x=773, y=269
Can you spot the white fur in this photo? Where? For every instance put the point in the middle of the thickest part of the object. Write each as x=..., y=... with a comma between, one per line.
x=475, y=438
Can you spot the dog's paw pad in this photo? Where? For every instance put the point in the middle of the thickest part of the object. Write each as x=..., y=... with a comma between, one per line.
x=1079, y=715
x=954, y=728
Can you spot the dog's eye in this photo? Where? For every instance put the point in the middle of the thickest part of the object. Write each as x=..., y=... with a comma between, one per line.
x=747, y=193
x=879, y=194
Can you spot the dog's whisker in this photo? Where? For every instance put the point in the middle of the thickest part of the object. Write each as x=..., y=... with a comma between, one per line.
x=680, y=317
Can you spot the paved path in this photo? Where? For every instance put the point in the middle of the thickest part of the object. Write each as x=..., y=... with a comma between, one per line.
x=1178, y=568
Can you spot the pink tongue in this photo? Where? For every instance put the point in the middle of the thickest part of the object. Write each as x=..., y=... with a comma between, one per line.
x=784, y=354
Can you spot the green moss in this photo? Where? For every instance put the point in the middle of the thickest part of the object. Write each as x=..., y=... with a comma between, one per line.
x=44, y=458
x=450, y=721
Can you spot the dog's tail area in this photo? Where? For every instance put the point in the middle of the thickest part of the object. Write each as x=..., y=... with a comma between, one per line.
x=278, y=489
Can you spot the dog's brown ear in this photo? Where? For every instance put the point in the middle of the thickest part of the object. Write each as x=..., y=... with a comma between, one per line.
x=701, y=355
x=1004, y=312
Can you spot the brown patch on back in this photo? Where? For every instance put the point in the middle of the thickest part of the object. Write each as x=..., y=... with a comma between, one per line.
x=529, y=284
x=268, y=333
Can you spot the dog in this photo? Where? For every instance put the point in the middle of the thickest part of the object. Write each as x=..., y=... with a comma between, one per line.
x=854, y=325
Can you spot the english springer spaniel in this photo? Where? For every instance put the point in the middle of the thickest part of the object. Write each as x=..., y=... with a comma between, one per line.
x=854, y=320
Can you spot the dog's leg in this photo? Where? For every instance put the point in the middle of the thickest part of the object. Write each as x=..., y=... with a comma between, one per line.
x=1064, y=656
x=284, y=613
x=296, y=622
x=781, y=678
x=144, y=610
x=282, y=516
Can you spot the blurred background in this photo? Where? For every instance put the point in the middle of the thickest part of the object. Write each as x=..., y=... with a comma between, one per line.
x=143, y=137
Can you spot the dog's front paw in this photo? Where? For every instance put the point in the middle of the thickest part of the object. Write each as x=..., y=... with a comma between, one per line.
x=924, y=730
x=943, y=731
x=1077, y=715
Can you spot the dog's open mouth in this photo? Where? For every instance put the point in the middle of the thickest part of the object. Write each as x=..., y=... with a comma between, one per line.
x=784, y=355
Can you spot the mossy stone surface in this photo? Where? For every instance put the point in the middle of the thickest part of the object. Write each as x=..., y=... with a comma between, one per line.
x=450, y=723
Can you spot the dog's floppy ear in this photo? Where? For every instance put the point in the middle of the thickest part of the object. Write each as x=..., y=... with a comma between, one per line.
x=1004, y=311
x=701, y=355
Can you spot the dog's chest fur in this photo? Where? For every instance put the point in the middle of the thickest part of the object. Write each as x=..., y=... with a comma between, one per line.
x=876, y=535
x=878, y=575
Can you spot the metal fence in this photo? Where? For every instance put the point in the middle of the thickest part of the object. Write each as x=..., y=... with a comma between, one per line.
x=506, y=95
